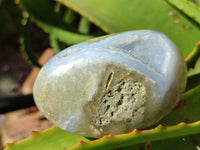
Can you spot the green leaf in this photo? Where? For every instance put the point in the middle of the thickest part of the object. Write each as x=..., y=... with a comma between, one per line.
x=193, y=79
x=196, y=69
x=44, y=15
x=123, y=15
x=136, y=136
x=51, y=139
x=190, y=142
x=107, y=142
x=189, y=8
x=193, y=65
x=26, y=46
x=192, y=57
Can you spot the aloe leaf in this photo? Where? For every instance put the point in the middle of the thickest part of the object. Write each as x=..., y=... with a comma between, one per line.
x=196, y=69
x=25, y=44
x=193, y=65
x=136, y=136
x=51, y=22
x=192, y=57
x=193, y=79
x=123, y=15
x=189, y=142
x=51, y=139
x=189, y=8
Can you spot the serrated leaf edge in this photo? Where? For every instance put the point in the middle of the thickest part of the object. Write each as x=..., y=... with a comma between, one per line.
x=139, y=136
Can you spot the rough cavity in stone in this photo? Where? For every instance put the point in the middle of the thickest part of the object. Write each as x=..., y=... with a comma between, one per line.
x=120, y=103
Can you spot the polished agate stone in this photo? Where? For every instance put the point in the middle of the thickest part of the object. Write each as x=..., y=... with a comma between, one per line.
x=112, y=84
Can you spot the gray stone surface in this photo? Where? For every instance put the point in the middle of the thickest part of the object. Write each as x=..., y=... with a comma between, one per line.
x=112, y=84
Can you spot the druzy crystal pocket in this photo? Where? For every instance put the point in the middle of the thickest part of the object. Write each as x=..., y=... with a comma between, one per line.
x=112, y=84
